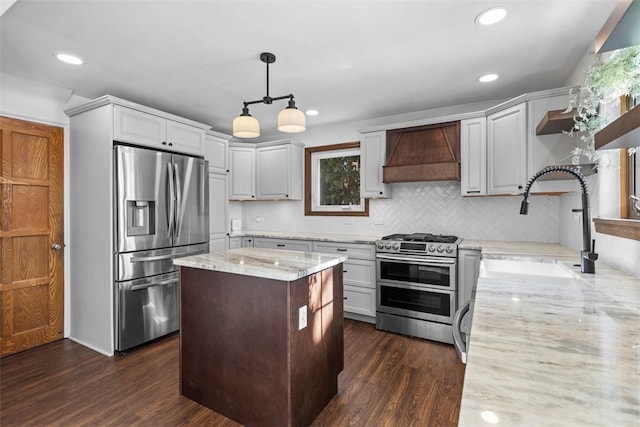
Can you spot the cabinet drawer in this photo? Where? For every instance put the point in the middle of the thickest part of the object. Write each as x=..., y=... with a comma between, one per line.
x=359, y=300
x=352, y=250
x=358, y=272
x=289, y=244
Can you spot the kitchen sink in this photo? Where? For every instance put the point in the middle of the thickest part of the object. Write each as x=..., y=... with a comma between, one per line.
x=509, y=268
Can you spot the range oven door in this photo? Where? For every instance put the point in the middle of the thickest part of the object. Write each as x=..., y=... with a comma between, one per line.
x=417, y=302
x=433, y=272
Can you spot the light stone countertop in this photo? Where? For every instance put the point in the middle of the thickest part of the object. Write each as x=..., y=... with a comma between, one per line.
x=552, y=351
x=275, y=264
x=299, y=235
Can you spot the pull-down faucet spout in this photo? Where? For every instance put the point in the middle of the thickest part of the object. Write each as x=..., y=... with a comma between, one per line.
x=587, y=255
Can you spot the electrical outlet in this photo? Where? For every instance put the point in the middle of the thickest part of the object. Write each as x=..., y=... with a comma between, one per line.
x=302, y=317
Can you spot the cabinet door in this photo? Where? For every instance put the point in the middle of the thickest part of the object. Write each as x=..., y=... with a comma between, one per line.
x=359, y=272
x=473, y=157
x=247, y=242
x=215, y=151
x=218, y=204
x=373, y=149
x=235, y=242
x=137, y=127
x=219, y=244
x=359, y=300
x=185, y=138
x=507, y=150
x=468, y=272
x=241, y=173
x=273, y=172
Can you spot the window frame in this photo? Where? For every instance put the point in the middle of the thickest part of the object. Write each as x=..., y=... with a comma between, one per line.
x=310, y=208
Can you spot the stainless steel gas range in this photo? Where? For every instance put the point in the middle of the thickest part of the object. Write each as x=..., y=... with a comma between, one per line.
x=417, y=284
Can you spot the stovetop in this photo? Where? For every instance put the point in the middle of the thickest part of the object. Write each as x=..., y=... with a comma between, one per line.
x=425, y=244
x=422, y=237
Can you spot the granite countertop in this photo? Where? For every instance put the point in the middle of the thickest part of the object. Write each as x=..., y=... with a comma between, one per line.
x=299, y=235
x=552, y=351
x=266, y=263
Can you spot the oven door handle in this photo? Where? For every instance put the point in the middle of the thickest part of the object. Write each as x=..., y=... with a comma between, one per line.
x=419, y=261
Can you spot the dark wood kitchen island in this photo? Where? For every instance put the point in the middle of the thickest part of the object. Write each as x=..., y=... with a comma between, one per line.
x=245, y=350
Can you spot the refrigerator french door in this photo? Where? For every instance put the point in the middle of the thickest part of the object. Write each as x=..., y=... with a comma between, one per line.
x=161, y=212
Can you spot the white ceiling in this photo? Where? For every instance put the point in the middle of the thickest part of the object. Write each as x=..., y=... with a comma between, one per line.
x=351, y=60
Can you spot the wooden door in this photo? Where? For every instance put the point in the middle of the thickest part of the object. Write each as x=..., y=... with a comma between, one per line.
x=31, y=235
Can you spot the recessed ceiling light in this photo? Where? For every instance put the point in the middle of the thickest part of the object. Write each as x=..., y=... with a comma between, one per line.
x=487, y=78
x=69, y=59
x=311, y=112
x=491, y=16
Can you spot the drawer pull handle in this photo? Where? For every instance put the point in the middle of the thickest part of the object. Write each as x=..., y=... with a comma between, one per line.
x=281, y=245
x=345, y=271
x=345, y=298
x=341, y=250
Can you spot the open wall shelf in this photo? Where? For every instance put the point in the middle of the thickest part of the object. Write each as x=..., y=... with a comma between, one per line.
x=624, y=132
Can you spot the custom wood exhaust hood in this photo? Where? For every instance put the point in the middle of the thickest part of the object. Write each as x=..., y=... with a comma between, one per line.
x=423, y=153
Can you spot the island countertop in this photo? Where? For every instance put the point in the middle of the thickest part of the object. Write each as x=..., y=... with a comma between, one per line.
x=266, y=263
x=549, y=352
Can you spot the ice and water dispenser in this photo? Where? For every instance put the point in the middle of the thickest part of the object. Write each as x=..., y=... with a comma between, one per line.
x=141, y=215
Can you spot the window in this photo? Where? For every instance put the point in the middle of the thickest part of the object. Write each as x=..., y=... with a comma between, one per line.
x=332, y=181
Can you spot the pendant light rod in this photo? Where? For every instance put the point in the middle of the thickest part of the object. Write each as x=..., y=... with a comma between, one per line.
x=290, y=120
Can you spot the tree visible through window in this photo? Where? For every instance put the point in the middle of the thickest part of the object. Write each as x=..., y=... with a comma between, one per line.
x=332, y=181
x=340, y=181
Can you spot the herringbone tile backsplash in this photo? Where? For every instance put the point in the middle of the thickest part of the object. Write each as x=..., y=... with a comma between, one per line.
x=432, y=207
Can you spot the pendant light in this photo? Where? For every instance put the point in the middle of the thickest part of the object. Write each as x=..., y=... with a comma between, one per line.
x=290, y=120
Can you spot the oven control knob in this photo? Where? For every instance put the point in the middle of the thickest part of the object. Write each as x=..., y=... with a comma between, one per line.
x=387, y=245
x=440, y=249
x=432, y=248
x=380, y=245
x=395, y=246
x=449, y=249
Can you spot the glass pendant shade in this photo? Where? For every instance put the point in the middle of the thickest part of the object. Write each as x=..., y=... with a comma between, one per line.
x=246, y=127
x=291, y=120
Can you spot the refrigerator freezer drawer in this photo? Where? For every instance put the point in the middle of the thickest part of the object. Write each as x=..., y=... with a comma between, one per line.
x=146, y=309
x=135, y=265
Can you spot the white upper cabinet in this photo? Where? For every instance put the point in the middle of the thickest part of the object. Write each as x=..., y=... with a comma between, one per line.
x=218, y=204
x=142, y=128
x=242, y=173
x=507, y=150
x=266, y=171
x=215, y=151
x=473, y=157
x=373, y=149
x=279, y=172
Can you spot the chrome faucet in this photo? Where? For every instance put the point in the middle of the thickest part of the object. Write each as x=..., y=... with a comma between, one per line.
x=588, y=256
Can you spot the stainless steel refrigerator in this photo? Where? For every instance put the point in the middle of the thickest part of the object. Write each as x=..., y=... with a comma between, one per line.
x=161, y=212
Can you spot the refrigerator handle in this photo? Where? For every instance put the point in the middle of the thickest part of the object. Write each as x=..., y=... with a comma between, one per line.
x=458, y=342
x=171, y=204
x=179, y=199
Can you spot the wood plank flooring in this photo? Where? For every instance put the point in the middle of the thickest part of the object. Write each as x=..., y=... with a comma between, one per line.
x=388, y=380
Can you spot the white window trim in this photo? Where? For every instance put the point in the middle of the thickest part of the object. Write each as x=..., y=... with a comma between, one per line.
x=315, y=182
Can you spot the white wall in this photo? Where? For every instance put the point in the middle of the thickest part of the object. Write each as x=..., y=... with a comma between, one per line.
x=29, y=100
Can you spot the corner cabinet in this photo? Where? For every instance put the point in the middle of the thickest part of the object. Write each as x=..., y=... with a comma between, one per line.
x=279, y=172
x=473, y=157
x=373, y=149
x=507, y=150
x=138, y=127
x=266, y=171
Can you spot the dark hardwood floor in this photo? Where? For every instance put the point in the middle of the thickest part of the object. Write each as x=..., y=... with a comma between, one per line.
x=388, y=380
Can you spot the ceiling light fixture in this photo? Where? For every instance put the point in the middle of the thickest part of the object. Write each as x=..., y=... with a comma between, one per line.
x=491, y=16
x=290, y=120
x=69, y=59
x=487, y=78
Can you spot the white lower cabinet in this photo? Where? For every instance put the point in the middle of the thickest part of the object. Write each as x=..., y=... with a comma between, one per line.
x=359, y=278
x=235, y=242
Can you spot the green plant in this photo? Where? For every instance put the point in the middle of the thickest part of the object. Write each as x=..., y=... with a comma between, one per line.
x=605, y=81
